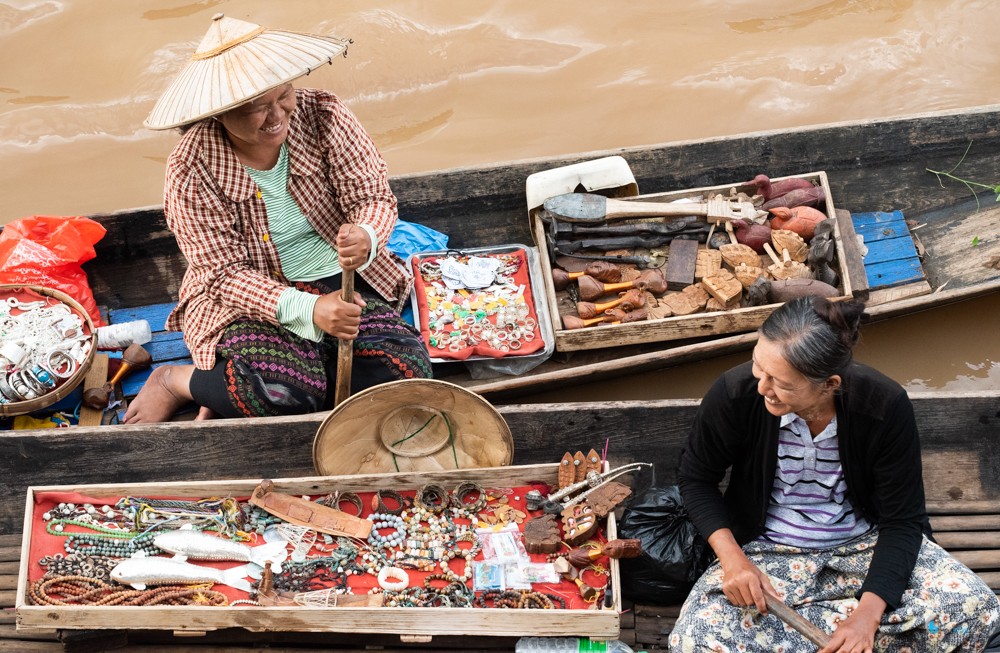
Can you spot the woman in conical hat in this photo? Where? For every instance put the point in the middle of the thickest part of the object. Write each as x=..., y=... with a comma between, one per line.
x=271, y=192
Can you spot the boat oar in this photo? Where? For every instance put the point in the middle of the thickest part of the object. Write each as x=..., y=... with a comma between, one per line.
x=345, y=348
x=808, y=629
x=591, y=207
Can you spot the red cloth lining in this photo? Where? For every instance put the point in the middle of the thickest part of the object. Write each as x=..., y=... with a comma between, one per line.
x=522, y=278
x=43, y=544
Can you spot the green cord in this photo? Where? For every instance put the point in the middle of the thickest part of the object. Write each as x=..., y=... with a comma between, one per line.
x=451, y=439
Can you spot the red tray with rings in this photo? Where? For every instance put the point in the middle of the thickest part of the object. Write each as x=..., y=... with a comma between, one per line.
x=492, y=321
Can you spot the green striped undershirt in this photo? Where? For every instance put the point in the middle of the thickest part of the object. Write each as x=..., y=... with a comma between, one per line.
x=303, y=253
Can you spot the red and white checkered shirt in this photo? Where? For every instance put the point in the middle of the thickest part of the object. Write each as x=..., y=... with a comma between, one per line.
x=336, y=176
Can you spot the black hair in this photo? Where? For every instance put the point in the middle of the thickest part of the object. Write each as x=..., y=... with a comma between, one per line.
x=816, y=336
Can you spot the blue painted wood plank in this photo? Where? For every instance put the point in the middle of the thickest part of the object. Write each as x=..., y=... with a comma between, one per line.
x=892, y=249
x=884, y=275
x=132, y=383
x=155, y=314
x=866, y=218
x=892, y=258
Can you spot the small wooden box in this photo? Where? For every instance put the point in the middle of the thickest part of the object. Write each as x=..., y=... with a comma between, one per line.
x=407, y=622
x=698, y=325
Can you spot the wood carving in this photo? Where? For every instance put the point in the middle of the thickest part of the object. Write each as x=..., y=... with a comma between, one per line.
x=680, y=303
x=605, y=498
x=593, y=462
x=579, y=467
x=708, y=262
x=787, y=239
x=724, y=287
x=567, y=472
x=785, y=267
x=541, y=534
x=310, y=514
x=585, y=556
x=579, y=523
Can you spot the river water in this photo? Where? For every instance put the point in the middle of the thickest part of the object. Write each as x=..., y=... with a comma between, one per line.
x=448, y=84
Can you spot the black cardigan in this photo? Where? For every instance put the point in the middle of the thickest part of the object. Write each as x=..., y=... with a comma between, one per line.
x=879, y=450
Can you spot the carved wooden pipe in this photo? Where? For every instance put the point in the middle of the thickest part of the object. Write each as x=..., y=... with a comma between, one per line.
x=600, y=270
x=584, y=556
x=651, y=280
x=573, y=322
x=135, y=358
x=629, y=301
x=619, y=315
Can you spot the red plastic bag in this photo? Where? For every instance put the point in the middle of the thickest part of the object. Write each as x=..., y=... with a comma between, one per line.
x=48, y=251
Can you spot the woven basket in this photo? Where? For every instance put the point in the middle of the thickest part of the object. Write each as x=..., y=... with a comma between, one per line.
x=68, y=385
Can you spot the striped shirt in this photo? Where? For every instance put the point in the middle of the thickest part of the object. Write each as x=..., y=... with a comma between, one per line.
x=336, y=177
x=809, y=505
x=303, y=253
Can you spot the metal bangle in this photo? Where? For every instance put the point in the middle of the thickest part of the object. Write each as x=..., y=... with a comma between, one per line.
x=352, y=498
x=463, y=491
x=431, y=497
x=378, y=502
x=29, y=379
x=20, y=387
x=7, y=390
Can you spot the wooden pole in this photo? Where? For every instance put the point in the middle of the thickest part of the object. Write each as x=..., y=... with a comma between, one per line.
x=808, y=629
x=345, y=349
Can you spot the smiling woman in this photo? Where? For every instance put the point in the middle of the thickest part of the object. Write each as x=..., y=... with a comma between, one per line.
x=272, y=193
x=825, y=501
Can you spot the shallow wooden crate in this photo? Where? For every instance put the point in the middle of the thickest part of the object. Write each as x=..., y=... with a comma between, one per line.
x=409, y=623
x=677, y=327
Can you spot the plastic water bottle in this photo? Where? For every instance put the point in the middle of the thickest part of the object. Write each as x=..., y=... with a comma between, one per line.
x=569, y=645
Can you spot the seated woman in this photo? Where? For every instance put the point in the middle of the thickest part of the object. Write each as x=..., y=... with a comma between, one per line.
x=825, y=504
x=271, y=193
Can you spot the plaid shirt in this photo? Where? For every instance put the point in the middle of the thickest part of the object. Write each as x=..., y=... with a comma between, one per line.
x=336, y=176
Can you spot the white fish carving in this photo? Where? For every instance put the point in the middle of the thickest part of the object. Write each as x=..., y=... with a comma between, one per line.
x=186, y=544
x=141, y=571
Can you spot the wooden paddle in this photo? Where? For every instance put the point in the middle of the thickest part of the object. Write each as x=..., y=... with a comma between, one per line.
x=590, y=207
x=345, y=348
x=808, y=629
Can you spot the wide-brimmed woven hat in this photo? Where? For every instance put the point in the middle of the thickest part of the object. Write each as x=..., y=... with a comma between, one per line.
x=236, y=62
x=414, y=425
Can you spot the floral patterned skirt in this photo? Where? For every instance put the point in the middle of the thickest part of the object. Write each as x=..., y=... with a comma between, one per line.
x=945, y=608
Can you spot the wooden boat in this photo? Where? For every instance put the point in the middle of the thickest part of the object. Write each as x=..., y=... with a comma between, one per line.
x=959, y=441
x=878, y=165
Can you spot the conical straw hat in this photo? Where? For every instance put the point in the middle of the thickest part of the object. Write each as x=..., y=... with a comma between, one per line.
x=414, y=425
x=236, y=62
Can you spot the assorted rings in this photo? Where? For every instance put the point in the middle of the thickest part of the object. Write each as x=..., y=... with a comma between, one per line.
x=497, y=316
x=42, y=344
x=379, y=505
x=393, y=579
x=431, y=497
x=387, y=520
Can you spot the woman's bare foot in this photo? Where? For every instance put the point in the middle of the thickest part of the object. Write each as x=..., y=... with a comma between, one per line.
x=204, y=413
x=164, y=392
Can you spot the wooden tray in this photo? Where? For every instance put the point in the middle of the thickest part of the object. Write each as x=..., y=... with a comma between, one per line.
x=698, y=325
x=407, y=622
x=70, y=384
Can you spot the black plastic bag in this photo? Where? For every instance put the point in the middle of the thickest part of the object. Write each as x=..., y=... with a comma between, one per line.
x=674, y=554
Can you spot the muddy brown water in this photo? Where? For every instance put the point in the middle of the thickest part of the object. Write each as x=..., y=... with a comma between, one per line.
x=449, y=84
